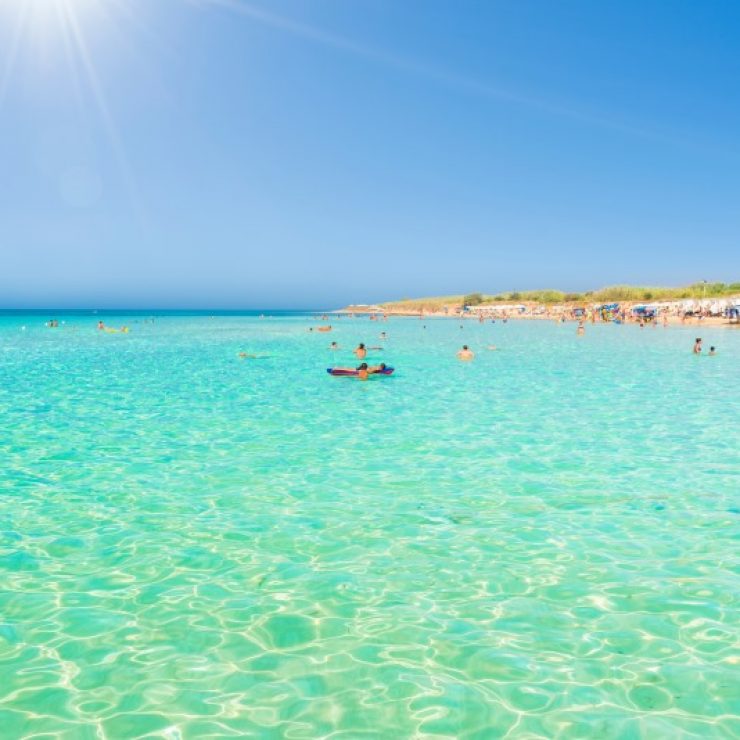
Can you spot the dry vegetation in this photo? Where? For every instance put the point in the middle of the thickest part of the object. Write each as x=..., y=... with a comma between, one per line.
x=627, y=293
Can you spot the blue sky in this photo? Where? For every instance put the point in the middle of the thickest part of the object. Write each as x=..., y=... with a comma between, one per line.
x=220, y=153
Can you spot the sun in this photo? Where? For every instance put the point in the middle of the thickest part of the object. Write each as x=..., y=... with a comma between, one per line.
x=47, y=11
x=44, y=15
x=46, y=42
x=40, y=28
x=42, y=37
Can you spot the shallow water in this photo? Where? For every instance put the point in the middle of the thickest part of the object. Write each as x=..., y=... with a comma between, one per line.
x=540, y=543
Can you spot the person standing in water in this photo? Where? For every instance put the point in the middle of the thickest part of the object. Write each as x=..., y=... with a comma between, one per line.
x=361, y=352
x=465, y=354
x=697, y=346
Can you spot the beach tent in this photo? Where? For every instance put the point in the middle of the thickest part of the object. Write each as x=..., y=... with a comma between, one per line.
x=645, y=310
x=607, y=311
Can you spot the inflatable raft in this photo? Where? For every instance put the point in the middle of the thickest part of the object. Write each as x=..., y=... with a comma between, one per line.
x=340, y=371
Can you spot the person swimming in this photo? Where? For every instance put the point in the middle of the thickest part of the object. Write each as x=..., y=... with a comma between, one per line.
x=376, y=368
x=363, y=372
x=333, y=345
x=361, y=351
x=697, y=346
x=465, y=353
x=712, y=352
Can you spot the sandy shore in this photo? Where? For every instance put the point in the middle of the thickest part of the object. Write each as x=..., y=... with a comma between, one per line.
x=554, y=313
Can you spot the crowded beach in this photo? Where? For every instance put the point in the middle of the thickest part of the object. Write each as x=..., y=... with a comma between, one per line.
x=719, y=311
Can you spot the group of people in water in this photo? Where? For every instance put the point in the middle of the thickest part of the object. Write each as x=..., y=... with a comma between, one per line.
x=465, y=354
x=698, y=348
x=111, y=330
x=54, y=324
x=361, y=350
x=363, y=370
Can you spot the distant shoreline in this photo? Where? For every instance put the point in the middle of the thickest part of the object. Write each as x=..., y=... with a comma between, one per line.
x=631, y=294
x=701, y=303
x=671, y=320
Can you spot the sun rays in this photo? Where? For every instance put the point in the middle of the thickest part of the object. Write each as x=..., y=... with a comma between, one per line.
x=53, y=32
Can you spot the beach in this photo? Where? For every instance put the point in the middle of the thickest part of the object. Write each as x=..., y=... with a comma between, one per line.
x=537, y=543
x=715, y=311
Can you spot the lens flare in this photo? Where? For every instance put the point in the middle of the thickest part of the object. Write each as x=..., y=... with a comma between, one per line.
x=41, y=35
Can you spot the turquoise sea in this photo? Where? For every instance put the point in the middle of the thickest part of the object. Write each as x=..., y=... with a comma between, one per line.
x=542, y=543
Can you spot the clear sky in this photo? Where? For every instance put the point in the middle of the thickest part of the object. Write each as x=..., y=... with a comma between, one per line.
x=308, y=153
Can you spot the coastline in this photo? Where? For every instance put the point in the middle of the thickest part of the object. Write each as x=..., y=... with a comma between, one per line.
x=666, y=313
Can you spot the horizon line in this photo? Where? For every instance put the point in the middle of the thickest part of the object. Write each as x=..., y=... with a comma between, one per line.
x=144, y=309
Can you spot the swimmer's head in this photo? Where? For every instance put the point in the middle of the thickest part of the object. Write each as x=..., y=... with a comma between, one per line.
x=465, y=346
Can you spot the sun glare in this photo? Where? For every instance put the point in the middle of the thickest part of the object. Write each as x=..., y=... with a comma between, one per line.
x=39, y=29
x=46, y=11
x=52, y=39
